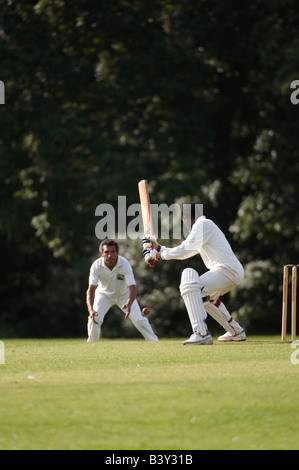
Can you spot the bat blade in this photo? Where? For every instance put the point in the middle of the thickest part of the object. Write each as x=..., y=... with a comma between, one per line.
x=146, y=212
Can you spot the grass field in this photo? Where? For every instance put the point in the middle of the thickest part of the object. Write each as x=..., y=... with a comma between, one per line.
x=135, y=395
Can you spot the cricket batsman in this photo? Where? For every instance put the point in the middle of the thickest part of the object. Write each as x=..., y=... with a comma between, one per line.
x=201, y=293
x=112, y=282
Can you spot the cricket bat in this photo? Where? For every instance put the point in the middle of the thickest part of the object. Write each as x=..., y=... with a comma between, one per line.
x=146, y=212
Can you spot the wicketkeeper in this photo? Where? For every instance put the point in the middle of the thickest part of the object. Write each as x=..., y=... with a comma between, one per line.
x=111, y=282
x=201, y=293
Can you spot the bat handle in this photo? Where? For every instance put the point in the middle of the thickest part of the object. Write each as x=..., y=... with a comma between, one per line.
x=151, y=263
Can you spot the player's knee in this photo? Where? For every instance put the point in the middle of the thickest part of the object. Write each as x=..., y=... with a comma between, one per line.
x=190, y=282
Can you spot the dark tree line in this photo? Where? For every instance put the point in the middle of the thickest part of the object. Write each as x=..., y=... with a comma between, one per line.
x=194, y=97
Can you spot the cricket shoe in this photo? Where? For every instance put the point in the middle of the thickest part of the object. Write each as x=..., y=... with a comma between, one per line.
x=198, y=339
x=229, y=337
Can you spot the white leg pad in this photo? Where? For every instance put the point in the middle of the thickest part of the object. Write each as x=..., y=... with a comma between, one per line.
x=190, y=289
x=223, y=317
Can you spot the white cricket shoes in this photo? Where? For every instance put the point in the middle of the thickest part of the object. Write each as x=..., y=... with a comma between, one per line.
x=198, y=339
x=229, y=337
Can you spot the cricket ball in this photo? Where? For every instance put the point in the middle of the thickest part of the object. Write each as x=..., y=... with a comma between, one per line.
x=145, y=311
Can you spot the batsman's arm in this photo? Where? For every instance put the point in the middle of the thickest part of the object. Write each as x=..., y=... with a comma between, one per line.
x=90, y=294
x=179, y=252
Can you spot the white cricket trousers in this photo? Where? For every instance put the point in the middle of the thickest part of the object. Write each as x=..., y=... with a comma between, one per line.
x=210, y=286
x=215, y=284
x=103, y=303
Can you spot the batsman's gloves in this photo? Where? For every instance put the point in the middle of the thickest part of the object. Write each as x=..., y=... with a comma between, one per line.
x=151, y=254
x=147, y=244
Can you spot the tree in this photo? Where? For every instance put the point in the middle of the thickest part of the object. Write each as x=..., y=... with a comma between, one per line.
x=193, y=97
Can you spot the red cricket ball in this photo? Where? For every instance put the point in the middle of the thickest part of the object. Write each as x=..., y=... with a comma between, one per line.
x=145, y=311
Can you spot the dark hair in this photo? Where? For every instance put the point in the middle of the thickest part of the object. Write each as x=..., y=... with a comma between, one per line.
x=189, y=210
x=108, y=242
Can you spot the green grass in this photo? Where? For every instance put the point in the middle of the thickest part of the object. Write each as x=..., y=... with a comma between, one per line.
x=131, y=394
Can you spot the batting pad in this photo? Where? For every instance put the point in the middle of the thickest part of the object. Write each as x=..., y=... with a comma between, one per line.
x=190, y=289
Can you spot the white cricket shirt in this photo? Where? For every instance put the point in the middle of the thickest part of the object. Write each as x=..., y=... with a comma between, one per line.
x=113, y=283
x=210, y=242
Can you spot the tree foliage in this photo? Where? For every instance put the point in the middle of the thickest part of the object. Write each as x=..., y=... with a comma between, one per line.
x=194, y=97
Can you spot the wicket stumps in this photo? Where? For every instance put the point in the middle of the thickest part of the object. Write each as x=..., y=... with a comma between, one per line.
x=285, y=301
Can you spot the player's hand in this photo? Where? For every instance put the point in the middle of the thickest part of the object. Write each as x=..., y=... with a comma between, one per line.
x=147, y=248
x=148, y=254
x=150, y=242
x=127, y=307
x=151, y=254
x=155, y=244
x=146, y=243
x=93, y=314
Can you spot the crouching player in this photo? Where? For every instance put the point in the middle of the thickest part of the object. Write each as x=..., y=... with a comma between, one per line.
x=111, y=282
x=201, y=293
